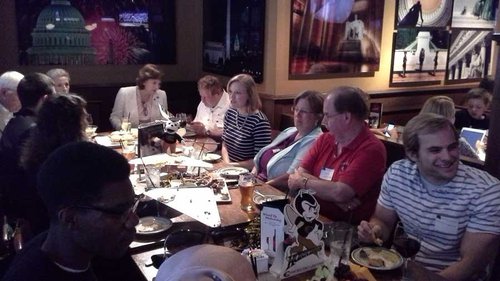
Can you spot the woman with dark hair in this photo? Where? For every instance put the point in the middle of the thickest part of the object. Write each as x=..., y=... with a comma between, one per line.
x=60, y=120
x=139, y=104
x=282, y=156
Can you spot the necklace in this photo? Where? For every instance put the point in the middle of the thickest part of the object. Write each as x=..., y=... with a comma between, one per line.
x=244, y=122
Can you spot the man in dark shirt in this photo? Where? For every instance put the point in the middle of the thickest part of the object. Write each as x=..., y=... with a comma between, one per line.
x=90, y=201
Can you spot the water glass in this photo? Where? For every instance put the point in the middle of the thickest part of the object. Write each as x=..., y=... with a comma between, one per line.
x=340, y=243
x=153, y=177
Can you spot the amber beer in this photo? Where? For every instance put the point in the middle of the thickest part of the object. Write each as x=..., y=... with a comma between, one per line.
x=246, y=183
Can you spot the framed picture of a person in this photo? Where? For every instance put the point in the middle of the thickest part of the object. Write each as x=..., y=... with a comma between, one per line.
x=335, y=38
x=470, y=55
x=419, y=56
x=423, y=14
x=474, y=14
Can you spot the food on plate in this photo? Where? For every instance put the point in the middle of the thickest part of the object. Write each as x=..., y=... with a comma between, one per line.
x=376, y=262
x=149, y=226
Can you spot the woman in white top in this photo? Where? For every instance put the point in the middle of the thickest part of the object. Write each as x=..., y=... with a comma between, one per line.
x=140, y=103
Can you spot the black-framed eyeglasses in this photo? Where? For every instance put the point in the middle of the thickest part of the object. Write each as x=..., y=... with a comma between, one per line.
x=122, y=214
x=326, y=115
x=301, y=111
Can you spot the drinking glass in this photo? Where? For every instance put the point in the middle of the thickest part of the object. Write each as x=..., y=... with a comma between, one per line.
x=90, y=131
x=340, y=243
x=407, y=246
x=183, y=118
x=246, y=183
x=126, y=125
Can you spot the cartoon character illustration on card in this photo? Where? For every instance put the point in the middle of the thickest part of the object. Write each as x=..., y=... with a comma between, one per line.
x=306, y=231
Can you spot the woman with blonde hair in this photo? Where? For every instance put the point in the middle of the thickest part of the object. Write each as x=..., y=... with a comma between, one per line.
x=246, y=128
x=444, y=106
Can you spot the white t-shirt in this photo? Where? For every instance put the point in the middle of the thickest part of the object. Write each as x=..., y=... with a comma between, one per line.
x=213, y=117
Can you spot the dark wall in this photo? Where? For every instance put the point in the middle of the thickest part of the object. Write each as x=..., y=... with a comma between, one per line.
x=182, y=97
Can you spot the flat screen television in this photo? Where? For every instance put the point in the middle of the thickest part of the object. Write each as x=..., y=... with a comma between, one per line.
x=86, y=32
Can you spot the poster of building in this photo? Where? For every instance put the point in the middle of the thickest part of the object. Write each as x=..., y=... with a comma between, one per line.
x=79, y=32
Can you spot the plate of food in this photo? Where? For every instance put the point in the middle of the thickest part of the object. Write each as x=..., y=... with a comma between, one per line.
x=231, y=172
x=377, y=258
x=211, y=157
x=152, y=225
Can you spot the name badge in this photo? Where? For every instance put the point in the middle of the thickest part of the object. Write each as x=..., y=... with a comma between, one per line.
x=446, y=225
x=326, y=174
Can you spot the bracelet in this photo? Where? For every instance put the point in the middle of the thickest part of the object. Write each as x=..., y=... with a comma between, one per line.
x=304, y=181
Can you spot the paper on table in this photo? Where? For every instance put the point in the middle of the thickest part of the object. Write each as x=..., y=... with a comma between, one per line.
x=197, y=202
x=171, y=160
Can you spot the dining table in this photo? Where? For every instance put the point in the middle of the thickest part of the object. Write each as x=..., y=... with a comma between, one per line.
x=232, y=219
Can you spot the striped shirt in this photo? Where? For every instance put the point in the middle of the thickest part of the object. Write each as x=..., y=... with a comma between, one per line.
x=440, y=215
x=245, y=135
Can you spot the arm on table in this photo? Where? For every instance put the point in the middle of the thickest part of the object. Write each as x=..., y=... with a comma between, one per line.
x=337, y=192
x=118, y=110
x=476, y=251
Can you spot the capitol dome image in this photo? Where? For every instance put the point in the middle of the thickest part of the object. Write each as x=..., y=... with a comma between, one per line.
x=60, y=37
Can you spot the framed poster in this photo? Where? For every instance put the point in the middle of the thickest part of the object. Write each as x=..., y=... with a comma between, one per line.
x=334, y=38
x=78, y=32
x=233, y=37
x=470, y=55
x=419, y=56
x=415, y=13
x=474, y=14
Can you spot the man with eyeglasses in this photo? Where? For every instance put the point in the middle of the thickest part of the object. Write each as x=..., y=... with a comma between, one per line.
x=344, y=166
x=91, y=205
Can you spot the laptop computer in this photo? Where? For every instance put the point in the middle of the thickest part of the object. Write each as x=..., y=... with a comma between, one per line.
x=472, y=135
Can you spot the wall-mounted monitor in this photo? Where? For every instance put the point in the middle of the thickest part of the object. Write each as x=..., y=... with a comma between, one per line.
x=86, y=32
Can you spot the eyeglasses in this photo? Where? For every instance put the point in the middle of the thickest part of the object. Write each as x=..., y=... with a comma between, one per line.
x=123, y=215
x=301, y=111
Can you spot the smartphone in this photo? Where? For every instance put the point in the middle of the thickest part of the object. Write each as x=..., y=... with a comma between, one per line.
x=388, y=129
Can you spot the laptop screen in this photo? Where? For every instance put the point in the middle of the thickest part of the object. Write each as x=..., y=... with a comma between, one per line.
x=472, y=135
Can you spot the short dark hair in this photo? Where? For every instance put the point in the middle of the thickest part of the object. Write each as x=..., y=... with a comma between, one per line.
x=352, y=100
x=315, y=100
x=76, y=173
x=149, y=71
x=211, y=83
x=424, y=123
x=33, y=87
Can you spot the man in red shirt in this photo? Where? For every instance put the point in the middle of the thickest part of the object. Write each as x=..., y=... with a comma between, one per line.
x=344, y=166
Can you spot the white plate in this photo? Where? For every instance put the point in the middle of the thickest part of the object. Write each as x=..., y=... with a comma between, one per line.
x=212, y=157
x=152, y=225
x=391, y=259
x=231, y=172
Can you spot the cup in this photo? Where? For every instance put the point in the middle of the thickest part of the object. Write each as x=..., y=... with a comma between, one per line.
x=153, y=177
x=128, y=151
x=90, y=131
x=126, y=125
x=246, y=183
x=340, y=242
